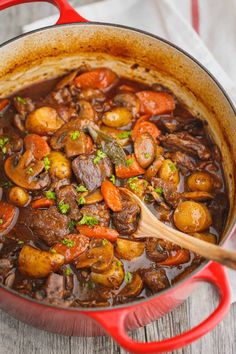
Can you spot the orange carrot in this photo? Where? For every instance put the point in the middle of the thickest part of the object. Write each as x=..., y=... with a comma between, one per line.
x=111, y=195
x=100, y=78
x=180, y=257
x=71, y=246
x=126, y=88
x=3, y=104
x=8, y=214
x=154, y=168
x=37, y=145
x=131, y=169
x=145, y=127
x=143, y=118
x=42, y=203
x=98, y=232
x=156, y=102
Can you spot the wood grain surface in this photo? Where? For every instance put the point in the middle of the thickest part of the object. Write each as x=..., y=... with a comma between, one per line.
x=19, y=338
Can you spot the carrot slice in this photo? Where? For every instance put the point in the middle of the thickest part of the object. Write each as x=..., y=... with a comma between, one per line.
x=131, y=169
x=37, y=145
x=180, y=257
x=111, y=195
x=98, y=232
x=100, y=78
x=3, y=104
x=156, y=102
x=145, y=127
x=42, y=203
x=8, y=217
x=71, y=247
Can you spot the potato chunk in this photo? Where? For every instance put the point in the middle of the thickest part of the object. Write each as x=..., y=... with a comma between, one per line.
x=112, y=278
x=43, y=121
x=127, y=249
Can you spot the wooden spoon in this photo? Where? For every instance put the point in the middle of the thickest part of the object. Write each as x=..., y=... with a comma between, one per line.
x=150, y=226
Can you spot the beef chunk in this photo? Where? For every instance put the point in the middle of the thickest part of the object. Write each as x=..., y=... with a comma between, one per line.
x=55, y=286
x=173, y=124
x=218, y=208
x=88, y=173
x=49, y=225
x=23, y=105
x=99, y=211
x=5, y=266
x=69, y=196
x=155, y=279
x=187, y=143
x=126, y=220
x=171, y=196
x=158, y=250
x=185, y=162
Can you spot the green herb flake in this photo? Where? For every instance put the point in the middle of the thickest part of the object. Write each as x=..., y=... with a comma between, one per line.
x=88, y=220
x=99, y=156
x=6, y=184
x=132, y=183
x=113, y=179
x=172, y=167
x=29, y=171
x=71, y=225
x=81, y=201
x=159, y=190
x=63, y=207
x=20, y=242
x=129, y=162
x=124, y=135
x=50, y=195
x=53, y=251
x=75, y=135
x=68, y=271
x=21, y=100
x=3, y=142
x=1, y=221
x=147, y=155
x=118, y=263
x=81, y=188
x=47, y=163
x=128, y=277
x=67, y=242
x=90, y=285
x=104, y=242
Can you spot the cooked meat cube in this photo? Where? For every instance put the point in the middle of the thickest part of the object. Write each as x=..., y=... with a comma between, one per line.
x=158, y=250
x=55, y=286
x=24, y=105
x=99, y=211
x=62, y=96
x=69, y=196
x=169, y=191
x=155, y=279
x=185, y=162
x=126, y=220
x=187, y=143
x=90, y=174
x=49, y=225
x=172, y=124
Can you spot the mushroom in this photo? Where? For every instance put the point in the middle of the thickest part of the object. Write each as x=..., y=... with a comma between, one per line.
x=25, y=172
x=128, y=100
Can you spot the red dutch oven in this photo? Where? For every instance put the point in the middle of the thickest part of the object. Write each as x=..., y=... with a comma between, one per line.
x=53, y=51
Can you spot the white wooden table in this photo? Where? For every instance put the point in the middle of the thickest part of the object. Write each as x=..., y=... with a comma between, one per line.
x=19, y=338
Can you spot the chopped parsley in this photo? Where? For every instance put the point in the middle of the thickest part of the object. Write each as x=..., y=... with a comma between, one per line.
x=99, y=156
x=6, y=184
x=90, y=284
x=1, y=221
x=129, y=162
x=124, y=135
x=68, y=271
x=67, y=242
x=81, y=188
x=3, y=142
x=71, y=225
x=113, y=179
x=158, y=190
x=75, y=134
x=47, y=163
x=147, y=155
x=132, y=183
x=88, y=220
x=104, y=242
x=63, y=207
x=30, y=171
x=20, y=242
x=173, y=167
x=118, y=263
x=21, y=100
x=53, y=251
x=128, y=277
x=50, y=195
x=81, y=201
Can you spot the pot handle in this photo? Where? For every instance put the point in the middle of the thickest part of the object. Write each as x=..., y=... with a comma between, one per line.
x=67, y=13
x=114, y=322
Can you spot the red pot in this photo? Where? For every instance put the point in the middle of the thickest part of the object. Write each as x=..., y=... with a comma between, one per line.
x=54, y=50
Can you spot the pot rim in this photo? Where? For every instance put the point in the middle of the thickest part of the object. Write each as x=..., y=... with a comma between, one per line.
x=232, y=227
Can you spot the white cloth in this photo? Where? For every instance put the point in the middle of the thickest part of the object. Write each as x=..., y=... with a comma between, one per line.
x=215, y=48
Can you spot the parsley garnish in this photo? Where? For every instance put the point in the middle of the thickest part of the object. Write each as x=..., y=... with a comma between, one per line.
x=113, y=179
x=124, y=135
x=3, y=142
x=132, y=183
x=53, y=251
x=104, y=242
x=7, y=184
x=99, y=156
x=129, y=162
x=1, y=221
x=81, y=201
x=88, y=220
x=172, y=166
x=128, y=277
x=67, y=242
x=147, y=155
x=81, y=188
x=90, y=284
x=63, y=207
x=30, y=171
x=21, y=100
x=75, y=134
x=50, y=195
x=68, y=271
x=118, y=263
x=20, y=242
x=158, y=190
x=71, y=225
x=47, y=163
